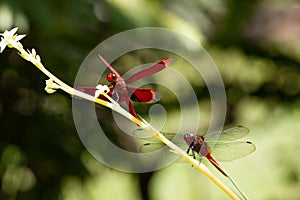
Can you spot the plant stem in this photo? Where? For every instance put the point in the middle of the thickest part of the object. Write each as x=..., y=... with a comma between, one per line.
x=35, y=59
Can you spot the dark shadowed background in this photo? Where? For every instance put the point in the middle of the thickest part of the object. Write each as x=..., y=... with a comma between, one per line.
x=255, y=45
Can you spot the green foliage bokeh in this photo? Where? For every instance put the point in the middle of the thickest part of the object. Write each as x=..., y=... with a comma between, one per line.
x=41, y=155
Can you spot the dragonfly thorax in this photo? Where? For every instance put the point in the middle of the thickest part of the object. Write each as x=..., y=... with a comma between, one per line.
x=189, y=138
x=111, y=77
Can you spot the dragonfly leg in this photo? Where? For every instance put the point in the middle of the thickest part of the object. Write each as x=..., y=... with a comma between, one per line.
x=191, y=147
x=193, y=154
x=188, y=150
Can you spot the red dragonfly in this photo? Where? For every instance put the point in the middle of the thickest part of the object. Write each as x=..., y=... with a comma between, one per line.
x=225, y=149
x=119, y=90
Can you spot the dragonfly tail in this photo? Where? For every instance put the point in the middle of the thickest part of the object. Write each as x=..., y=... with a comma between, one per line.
x=214, y=162
x=131, y=109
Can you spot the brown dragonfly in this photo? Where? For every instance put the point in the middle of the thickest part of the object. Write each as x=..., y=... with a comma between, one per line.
x=224, y=149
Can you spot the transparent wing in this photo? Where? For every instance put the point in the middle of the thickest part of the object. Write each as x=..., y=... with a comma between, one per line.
x=230, y=134
x=223, y=150
x=229, y=151
x=150, y=143
x=151, y=146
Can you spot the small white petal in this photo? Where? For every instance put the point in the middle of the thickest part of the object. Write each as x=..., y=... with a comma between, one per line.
x=103, y=88
x=38, y=58
x=3, y=44
x=4, y=34
x=50, y=84
x=13, y=31
x=33, y=52
x=20, y=37
x=49, y=90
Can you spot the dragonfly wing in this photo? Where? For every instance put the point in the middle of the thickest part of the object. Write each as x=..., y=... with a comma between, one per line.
x=229, y=151
x=153, y=144
x=149, y=71
x=144, y=95
x=87, y=89
x=230, y=134
x=142, y=133
x=109, y=66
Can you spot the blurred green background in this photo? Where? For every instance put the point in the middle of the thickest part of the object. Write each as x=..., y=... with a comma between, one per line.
x=255, y=45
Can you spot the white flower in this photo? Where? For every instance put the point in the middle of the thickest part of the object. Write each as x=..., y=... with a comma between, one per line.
x=10, y=39
x=104, y=90
x=51, y=86
x=101, y=89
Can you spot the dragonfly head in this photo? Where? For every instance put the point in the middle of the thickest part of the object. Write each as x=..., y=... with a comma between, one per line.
x=189, y=138
x=111, y=77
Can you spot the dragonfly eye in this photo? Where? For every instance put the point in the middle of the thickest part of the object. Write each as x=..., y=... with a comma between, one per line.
x=111, y=77
x=188, y=138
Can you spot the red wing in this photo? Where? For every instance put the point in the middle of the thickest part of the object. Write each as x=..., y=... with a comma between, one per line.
x=150, y=70
x=88, y=90
x=109, y=66
x=144, y=95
